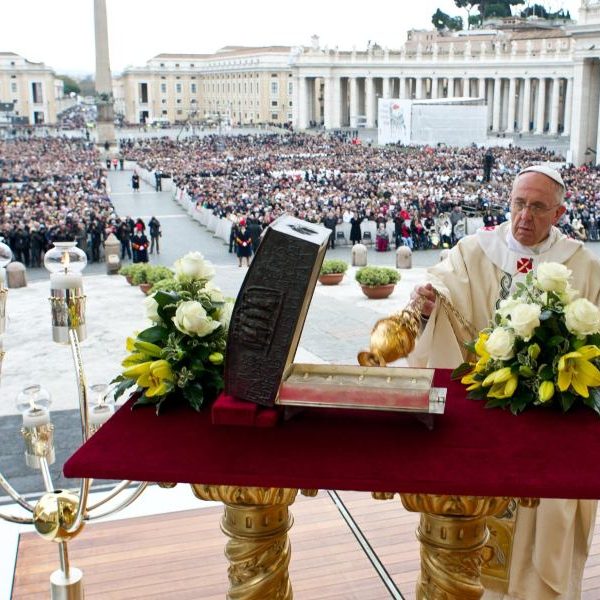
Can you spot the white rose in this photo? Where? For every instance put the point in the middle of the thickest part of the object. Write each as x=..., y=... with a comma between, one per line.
x=191, y=318
x=524, y=318
x=225, y=313
x=582, y=317
x=151, y=307
x=506, y=306
x=195, y=266
x=553, y=277
x=214, y=293
x=501, y=343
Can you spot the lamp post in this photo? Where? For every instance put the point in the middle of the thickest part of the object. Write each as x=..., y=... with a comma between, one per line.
x=59, y=515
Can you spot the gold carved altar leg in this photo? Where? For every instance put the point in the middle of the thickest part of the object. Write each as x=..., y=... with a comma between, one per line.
x=257, y=521
x=453, y=534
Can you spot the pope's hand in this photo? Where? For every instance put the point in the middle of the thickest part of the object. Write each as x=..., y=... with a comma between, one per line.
x=426, y=295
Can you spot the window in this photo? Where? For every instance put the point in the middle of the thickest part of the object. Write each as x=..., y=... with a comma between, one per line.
x=165, y=113
x=162, y=64
x=178, y=100
x=143, y=93
x=36, y=92
x=273, y=102
x=13, y=87
x=274, y=88
x=193, y=88
x=177, y=65
x=179, y=111
x=290, y=88
x=193, y=101
x=274, y=116
x=178, y=88
x=163, y=101
x=163, y=88
x=290, y=103
x=192, y=65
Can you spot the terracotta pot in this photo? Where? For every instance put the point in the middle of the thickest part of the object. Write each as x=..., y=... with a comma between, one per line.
x=331, y=278
x=129, y=280
x=145, y=287
x=378, y=292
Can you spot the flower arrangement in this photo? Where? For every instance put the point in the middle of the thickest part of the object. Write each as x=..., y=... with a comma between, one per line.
x=181, y=355
x=542, y=347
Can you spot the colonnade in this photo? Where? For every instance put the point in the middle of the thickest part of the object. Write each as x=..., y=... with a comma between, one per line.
x=538, y=105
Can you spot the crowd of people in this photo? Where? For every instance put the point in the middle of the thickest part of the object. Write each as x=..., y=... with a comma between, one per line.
x=425, y=192
x=55, y=189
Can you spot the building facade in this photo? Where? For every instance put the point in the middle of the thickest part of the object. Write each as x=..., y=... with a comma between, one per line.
x=536, y=78
x=236, y=85
x=32, y=88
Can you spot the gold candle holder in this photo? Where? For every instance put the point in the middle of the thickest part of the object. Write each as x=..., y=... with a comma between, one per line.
x=68, y=312
x=39, y=444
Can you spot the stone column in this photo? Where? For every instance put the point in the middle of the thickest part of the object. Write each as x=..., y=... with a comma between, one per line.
x=370, y=102
x=525, y=117
x=402, y=93
x=105, y=126
x=328, y=102
x=541, y=101
x=568, y=106
x=353, y=101
x=580, y=104
x=481, y=87
x=450, y=87
x=419, y=82
x=512, y=99
x=302, y=103
x=434, y=87
x=554, y=106
x=385, y=89
x=496, y=104
x=336, y=99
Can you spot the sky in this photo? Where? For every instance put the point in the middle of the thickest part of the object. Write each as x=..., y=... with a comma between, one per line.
x=60, y=33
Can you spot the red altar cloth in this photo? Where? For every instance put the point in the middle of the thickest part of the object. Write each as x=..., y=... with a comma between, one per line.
x=471, y=451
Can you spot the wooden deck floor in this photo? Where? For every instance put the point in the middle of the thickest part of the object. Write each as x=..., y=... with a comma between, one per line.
x=180, y=555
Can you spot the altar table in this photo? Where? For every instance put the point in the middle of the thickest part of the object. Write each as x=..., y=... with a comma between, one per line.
x=465, y=469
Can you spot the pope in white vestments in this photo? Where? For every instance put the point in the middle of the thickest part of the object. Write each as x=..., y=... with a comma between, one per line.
x=551, y=542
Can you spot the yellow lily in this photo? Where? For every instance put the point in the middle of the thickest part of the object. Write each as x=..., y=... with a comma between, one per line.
x=216, y=358
x=136, y=370
x=469, y=380
x=503, y=382
x=546, y=391
x=148, y=348
x=483, y=354
x=129, y=344
x=157, y=379
x=575, y=370
x=499, y=376
x=134, y=359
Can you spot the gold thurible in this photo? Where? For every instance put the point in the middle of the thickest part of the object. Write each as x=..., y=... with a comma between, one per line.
x=393, y=337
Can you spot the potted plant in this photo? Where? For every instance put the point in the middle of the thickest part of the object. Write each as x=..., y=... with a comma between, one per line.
x=332, y=271
x=154, y=274
x=127, y=272
x=377, y=282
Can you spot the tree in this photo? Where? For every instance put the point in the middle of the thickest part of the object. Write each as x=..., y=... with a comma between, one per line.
x=537, y=10
x=468, y=6
x=443, y=21
x=69, y=85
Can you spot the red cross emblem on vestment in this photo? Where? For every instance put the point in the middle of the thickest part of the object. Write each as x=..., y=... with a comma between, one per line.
x=489, y=228
x=524, y=265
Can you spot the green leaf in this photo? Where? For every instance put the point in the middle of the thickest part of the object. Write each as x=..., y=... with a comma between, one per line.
x=594, y=339
x=496, y=403
x=577, y=343
x=546, y=373
x=194, y=394
x=154, y=334
x=594, y=400
x=163, y=298
x=123, y=387
x=461, y=370
x=566, y=400
x=478, y=394
x=556, y=340
x=143, y=400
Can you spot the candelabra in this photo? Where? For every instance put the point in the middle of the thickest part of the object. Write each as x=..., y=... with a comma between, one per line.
x=59, y=515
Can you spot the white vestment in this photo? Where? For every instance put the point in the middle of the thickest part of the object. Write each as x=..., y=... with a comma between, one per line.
x=551, y=542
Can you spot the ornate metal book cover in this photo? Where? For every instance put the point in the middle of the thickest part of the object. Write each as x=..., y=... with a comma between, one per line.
x=271, y=307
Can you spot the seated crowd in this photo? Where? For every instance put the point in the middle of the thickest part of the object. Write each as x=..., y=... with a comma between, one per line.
x=310, y=176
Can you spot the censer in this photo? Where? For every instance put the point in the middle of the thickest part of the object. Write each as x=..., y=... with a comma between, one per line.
x=394, y=337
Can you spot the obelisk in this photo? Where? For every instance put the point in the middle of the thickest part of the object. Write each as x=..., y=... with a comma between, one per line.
x=105, y=126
